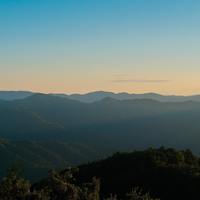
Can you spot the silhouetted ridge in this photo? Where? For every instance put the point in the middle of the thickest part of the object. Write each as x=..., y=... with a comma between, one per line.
x=165, y=173
x=99, y=95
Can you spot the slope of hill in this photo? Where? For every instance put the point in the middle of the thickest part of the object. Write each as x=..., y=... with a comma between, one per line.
x=37, y=157
x=165, y=173
x=17, y=122
x=12, y=95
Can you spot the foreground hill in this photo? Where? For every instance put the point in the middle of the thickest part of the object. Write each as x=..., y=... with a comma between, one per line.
x=165, y=173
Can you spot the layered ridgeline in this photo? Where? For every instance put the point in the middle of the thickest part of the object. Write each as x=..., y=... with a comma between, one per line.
x=140, y=175
x=12, y=95
x=56, y=132
x=99, y=95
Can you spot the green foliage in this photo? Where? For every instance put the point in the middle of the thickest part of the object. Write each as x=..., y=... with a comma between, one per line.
x=165, y=173
x=112, y=197
x=38, y=157
x=58, y=186
x=61, y=187
x=14, y=187
x=136, y=194
x=90, y=191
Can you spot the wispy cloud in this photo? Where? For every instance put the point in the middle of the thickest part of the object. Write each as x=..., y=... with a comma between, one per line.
x=140, y=81
x=120, y=75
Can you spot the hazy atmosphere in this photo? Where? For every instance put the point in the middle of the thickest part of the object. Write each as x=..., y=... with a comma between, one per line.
x=99, y=99
x=76, y=46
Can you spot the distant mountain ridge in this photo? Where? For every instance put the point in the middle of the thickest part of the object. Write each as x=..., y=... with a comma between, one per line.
x=99, y=95
x=51, y=116
x=13, y=95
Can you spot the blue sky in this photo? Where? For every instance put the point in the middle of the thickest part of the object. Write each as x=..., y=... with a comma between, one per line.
x=85, y=45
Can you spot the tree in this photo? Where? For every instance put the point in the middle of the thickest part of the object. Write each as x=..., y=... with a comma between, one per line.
x=90, y=191
x=14, y=187
x=136, y=194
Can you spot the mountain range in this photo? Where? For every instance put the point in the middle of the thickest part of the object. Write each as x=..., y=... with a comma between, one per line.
x=99, y=95
x=56, y=131
x=13, y=95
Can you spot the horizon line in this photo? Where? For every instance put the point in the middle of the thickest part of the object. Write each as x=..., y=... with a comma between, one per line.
x=97, y=91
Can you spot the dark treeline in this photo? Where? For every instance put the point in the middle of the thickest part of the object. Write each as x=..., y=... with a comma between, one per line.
x=165, y=174
x=57, y=187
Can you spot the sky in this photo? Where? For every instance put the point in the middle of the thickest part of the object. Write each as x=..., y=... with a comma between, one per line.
x=78, y=46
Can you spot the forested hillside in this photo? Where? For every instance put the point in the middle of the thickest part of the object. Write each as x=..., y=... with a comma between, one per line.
x=36, y=158
x=141, y=175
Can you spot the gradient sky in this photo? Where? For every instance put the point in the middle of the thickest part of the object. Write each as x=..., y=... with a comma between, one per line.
x=85, y=45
